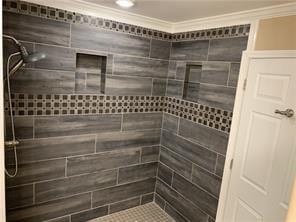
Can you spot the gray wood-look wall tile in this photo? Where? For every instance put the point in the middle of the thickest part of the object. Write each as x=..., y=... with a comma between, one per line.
x=101, y=40
x=137, y=172
x=75, y=125
x=207, y=137
x=180, y=70
x=43, y=81
x=35, y=29
x=159, y=87
x=37, y=171
x=160, y=49
x=191, y=91
x=174, y=88
x=202, y=199
x=217, y=96
x=50, y=210
x=150, y=154
x=60, y=219
x=89, y=214
x=143, y=67
x=42, y=149
x=215, y=73
x=122, y=85
x=124, y=140
x=165, y=174
x=159, y=201
x=54, y=189
x=123, y=205
x=101, y=161
x=220, y=165
x=172, y=69
x=176, y=162
x=140, y=121
x=192, y=151
x=233, y=74
x=229, y=49
x=190, y=50
x=19, y=196
x=57, y=58
x=174, y=214
x=184, y=206
x=147, y=198
x=170, y=123
x=206, y=180
x=123, y=192
x=23, y=127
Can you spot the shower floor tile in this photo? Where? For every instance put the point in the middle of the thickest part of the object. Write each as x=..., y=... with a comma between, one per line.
x=146, y=213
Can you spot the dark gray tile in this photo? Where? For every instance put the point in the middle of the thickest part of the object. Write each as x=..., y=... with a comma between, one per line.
x=123, y=205
x=220, y=165
x=37, y=171
x=150, y=154
x=101, y=161
x=229, y=49
x=122, y=85
x=170, y=123
x=190, y=50
x=194, y=71
x=165, y=174
x=50, y=210
x=88, y=83
x=160, y=49
x=108, y=41
x=89, y=63
x=23, y=127
x=182, y=205
x=215, y=73
x=202, y=199
x=69, y=186
x=137, y=172
x=211, y=219
x=193, y=152
x=207, y=137
x=159, y=87
x=174, y=88
x=176, y=162
x=124, y=140
x=43, y=81
x=123, y=192
x=208, y=181
x=143, y=67
x=34, y=29
x=19, y=196
x=42, y=149
x=89, y=214
x=140, y=121
x=57, y=58
x=191, y=91
x=180, y=70
x=60, y=219
x=75, y=125
x=172, y=69
x=147, y=198
x=233, y=74
x=159, y=201
x=174, y=214
x=217, y=96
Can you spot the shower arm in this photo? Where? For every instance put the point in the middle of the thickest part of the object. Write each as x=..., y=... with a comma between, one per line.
x=12, y=39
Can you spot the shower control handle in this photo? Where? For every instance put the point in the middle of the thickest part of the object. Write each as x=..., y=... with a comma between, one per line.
x=288, y=112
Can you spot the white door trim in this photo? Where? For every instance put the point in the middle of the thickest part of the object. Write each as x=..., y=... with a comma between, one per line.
x=239, y=98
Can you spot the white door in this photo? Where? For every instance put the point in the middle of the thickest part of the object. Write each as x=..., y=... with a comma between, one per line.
x=264, y=161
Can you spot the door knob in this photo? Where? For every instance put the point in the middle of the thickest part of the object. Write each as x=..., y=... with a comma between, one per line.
x=288, y=112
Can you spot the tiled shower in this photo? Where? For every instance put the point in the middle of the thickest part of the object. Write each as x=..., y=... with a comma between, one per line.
x=118, y=116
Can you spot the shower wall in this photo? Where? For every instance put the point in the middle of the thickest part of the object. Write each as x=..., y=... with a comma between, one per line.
x=195, y=133
x=104, y=123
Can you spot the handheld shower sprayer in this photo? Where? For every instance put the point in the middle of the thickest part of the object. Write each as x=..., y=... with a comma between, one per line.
x=25, y=58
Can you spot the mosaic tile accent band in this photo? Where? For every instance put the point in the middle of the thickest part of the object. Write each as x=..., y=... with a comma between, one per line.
x=72, y=17
x=59, y=104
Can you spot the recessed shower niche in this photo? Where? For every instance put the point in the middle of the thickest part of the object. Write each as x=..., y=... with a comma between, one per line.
x=90, y=73
x=192, y=82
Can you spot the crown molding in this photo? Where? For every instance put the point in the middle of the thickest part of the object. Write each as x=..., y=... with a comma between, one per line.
x=237, y=18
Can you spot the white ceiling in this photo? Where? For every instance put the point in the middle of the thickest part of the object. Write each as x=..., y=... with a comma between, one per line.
x=182, y=10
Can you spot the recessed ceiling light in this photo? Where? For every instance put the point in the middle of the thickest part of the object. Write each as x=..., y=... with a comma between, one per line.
x=125, y=3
